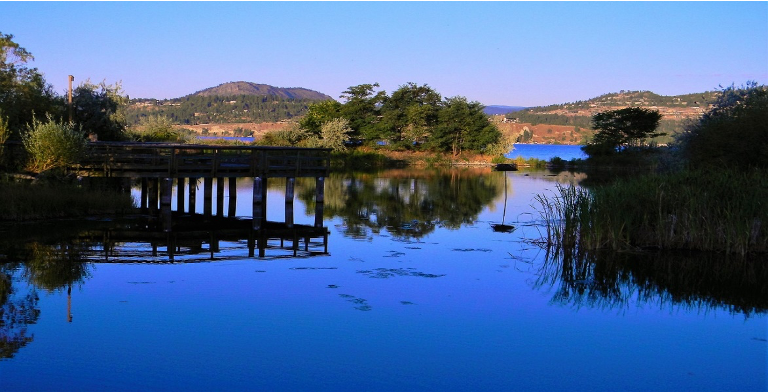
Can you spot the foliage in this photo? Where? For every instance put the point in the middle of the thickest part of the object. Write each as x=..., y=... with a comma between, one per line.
x=335, y=133
x=503, y=146
x=5, y=133
x=318, y=114
x=414, y=117
x=622, y=128
x=23, y=91
x=98, y=109
x=734, y=133
x=213, y=109
x=463, y=125
x=52, y=144
x=156, y=128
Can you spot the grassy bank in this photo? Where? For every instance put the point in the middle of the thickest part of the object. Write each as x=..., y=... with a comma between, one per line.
x=718, y=210
x=22, y=202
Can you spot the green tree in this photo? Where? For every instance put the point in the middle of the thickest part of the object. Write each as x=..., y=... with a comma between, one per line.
x=361, y=108
x=622, y=128
x=409, y=115
x=98, y=109
x=334, y=134
x=23, y=91
x=734, y=133
x=318, y=114
x=462, y=126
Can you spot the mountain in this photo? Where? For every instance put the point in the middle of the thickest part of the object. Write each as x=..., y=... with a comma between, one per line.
x=247, y=88
x=501, y=109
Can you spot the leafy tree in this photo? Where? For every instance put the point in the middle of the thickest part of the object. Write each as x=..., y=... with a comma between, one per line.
x=409, y=115
x=334, y=134
x=318, y=114
x=97, y=109
x=462, y=126
x=617, y=129
x=361, y=108
x=23, y=91
x=734, y=133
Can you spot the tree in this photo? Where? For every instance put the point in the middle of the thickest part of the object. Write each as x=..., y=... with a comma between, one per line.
x=409, y=115
x=734, y=133
x=335, y=133
x=622, y=128
x=361, y=108
x=98, y=109
x=24, y=95
x=318, y=114
x=462, y=126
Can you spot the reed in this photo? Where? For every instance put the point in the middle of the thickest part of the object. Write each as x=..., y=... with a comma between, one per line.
x=721, y=210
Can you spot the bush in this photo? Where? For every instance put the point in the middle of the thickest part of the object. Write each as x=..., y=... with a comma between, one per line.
x=734, y=133
x=52, y=145
x=159, y=129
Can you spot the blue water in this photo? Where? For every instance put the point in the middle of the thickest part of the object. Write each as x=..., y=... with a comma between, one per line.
x=248, y=139
x=547, y=151
x=417, y=293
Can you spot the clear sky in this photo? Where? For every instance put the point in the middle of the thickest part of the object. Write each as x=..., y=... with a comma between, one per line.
x=497, y=53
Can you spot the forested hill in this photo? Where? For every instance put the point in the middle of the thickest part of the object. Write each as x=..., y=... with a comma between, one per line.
x=235, y=102
x=247, y=88
x=674, y=109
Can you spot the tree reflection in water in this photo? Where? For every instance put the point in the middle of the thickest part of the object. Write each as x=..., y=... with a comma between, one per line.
x=694, y=281
x=47, y=264
x=408, y=203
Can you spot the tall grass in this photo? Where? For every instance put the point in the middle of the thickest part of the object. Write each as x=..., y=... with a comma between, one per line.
x=21, y=202
x=723, y=210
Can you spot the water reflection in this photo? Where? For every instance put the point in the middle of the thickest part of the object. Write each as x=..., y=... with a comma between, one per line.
x=669, y=280
x=18, y=309
x=408, y=203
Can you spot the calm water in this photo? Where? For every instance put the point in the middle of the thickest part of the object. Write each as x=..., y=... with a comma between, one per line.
x=547, y=151
x=417, y=292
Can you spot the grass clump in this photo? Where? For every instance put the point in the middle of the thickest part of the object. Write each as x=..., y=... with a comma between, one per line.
x=723, y=210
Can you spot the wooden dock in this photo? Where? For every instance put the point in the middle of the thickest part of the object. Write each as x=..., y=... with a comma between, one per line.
x=159, y=166
x=165, y=160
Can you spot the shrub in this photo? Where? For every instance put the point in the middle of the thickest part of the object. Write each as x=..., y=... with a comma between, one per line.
x=734, y=133
x=53, y=145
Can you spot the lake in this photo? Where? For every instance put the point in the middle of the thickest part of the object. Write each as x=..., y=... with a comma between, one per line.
x=546, y=151
x=417, y=291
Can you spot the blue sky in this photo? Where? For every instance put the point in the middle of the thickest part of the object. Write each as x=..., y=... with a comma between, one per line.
x=497, y=53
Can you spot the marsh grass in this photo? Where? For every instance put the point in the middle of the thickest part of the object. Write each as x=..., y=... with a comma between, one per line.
x=721, y=210
x=21, y=202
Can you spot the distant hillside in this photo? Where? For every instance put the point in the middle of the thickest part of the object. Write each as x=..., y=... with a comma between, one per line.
x=234, y=102
x=247, y=88
x=674, y=109
x=501, y=109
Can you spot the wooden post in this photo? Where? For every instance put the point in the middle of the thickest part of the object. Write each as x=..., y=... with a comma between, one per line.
x=166, y=190
x=144, y=195
x=232, y=197
x=220, y=196
x=69, y=97
x=192, y=195
x=319, y=200
x=152, y=190
x=289, y=188
x=259, y=187
x=180, y=194
x=207, y=196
